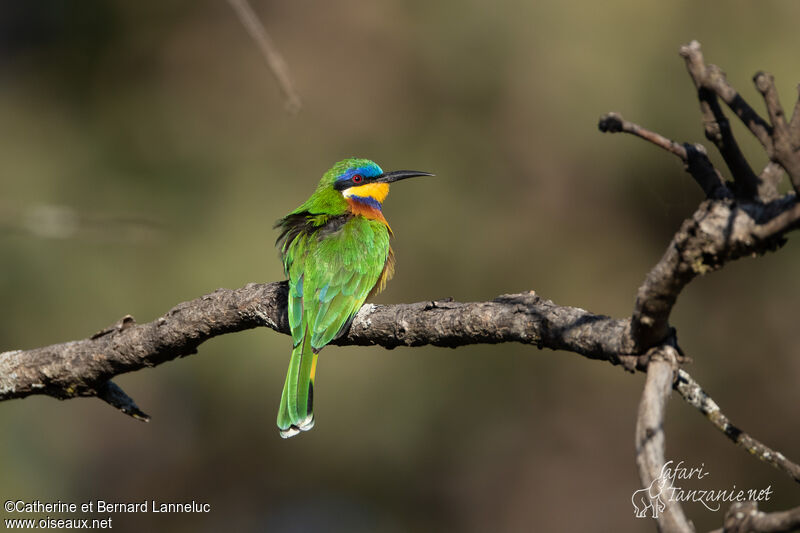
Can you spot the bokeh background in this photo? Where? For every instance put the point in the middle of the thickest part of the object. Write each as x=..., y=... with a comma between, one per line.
x=145, y=154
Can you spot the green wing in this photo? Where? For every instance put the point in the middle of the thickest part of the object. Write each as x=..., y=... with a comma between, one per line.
x=330, y=276
x=339, y=273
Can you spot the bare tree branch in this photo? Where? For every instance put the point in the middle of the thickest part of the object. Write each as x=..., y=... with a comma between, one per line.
x=270, y=52
x=711, y=77
x=719, y=231
x=110, y=393
x=695, y=396
x=794, y=123
x=614, y=123
x=784, y=146
x=694, y=157
x=82, y=368
x=780, y=140
x=765, y=83
x=716, y=124
x=650, y=440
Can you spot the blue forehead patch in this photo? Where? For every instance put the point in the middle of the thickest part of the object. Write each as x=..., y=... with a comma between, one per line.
x=368, y=171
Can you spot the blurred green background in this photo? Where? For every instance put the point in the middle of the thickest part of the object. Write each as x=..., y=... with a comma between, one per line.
x=145, y=154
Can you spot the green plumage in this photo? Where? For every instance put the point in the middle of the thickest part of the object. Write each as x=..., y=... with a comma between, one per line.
x=335, y=251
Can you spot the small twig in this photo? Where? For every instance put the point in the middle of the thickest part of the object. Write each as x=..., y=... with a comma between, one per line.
x=270, y=52
x=716, y=125
x=765, y=83
x=779, y=139
x=784, y=147
x=694, y=157
x=695, y=396
x=614, y=123
x=110, y=393
x=794, y=123
x=704, y=173
x=718, y=130
x=650, y=442
x=712, y=78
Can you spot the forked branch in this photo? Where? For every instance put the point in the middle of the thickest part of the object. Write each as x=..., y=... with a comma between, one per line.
x=719, y=231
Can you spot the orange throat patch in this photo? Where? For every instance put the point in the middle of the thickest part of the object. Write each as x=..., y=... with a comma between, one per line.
x=367, y=211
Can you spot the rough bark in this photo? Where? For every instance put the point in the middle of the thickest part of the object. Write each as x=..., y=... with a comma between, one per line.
x=80, y=368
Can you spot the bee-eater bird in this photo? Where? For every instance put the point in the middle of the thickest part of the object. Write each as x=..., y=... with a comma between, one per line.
x=335, y=251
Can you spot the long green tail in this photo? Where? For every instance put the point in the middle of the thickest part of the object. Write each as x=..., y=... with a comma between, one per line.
x=296, y=412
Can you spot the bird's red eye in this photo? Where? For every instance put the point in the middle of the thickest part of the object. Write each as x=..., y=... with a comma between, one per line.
x=357, y=178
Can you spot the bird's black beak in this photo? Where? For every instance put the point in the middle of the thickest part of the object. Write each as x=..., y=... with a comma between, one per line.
x=397, y=175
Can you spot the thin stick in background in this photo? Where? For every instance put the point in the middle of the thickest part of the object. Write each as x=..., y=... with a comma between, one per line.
x=274, y=59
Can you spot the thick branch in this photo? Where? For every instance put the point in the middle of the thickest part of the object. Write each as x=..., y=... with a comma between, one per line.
x=719, y=231
x=650, y=441
x=82, y=368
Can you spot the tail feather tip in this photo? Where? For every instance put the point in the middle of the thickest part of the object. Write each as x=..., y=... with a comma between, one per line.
x=306, y=424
